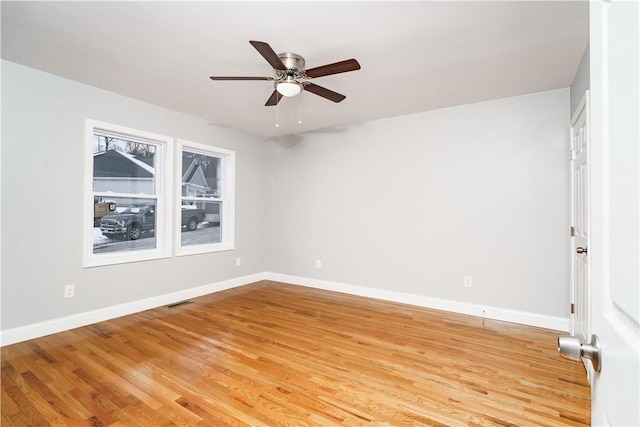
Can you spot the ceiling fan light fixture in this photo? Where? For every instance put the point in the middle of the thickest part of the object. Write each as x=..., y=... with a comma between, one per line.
x=288, y=88
x=290, y=77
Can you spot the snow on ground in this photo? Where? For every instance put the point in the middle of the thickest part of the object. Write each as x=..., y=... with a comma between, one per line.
x=98, y=237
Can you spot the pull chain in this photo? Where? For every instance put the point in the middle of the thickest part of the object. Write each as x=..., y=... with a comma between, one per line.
x=277, y=110
x=300, y=109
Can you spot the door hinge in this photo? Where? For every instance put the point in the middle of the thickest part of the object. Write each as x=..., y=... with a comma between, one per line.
x=573, y=308
x=573, y=231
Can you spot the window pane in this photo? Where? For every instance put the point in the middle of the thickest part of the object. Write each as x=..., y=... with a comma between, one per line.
x=123, y=224
x=200, y=175
x=123, y=166
x=200, y=223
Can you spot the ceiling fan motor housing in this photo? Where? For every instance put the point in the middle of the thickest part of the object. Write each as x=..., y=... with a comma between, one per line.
x=292, y=61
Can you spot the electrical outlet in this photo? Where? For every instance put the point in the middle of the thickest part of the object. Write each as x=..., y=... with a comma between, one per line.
x=238, y=262
x=70, y=291
x=468, y=281
x=318, y=263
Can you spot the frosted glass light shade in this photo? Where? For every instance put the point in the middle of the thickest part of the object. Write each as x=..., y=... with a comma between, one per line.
x=288, y=88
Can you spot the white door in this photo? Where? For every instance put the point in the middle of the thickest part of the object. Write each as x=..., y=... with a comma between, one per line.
x=615, y=209
x=580, y=220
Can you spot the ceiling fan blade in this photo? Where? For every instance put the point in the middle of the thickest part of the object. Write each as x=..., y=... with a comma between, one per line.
x=335, y=68
x=223, y=78
x=324, y=92
x=267, y=53
x=273, y=99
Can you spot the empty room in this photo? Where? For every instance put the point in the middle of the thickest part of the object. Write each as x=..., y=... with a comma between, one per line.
x=265, y=213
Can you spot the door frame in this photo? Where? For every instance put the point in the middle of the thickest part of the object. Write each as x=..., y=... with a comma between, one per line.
x=583, y=106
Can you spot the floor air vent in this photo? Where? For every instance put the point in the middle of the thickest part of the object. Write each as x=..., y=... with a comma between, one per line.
x=178, y=304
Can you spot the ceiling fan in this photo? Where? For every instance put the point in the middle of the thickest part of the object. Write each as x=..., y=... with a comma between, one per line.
x=291, y=77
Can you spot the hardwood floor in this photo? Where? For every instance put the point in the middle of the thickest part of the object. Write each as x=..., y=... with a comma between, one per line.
x=276, y=354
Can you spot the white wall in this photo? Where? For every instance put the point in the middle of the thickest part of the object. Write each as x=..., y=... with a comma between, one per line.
x=412, y=204
x=403, y=205
x=42, y=201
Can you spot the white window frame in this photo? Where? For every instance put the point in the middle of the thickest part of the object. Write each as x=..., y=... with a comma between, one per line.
x=227, y=198
x=162, y=196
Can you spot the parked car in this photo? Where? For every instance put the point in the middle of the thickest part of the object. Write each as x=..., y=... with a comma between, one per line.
x=139, y=219
x=131, y=223
x=191, y=217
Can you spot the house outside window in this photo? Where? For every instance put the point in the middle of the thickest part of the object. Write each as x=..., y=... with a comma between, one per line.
x=206, y=200
x=128, y=187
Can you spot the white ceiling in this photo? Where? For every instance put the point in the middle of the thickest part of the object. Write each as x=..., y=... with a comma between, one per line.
x=415, y=56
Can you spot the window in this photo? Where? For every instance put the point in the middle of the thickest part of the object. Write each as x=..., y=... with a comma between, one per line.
x=129, y=208
x=205, y=183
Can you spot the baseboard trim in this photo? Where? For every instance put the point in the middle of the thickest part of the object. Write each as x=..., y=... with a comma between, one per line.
x=36, y=330
x=506, y=315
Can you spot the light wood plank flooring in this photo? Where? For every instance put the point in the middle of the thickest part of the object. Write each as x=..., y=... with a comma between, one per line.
x=274, y=354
